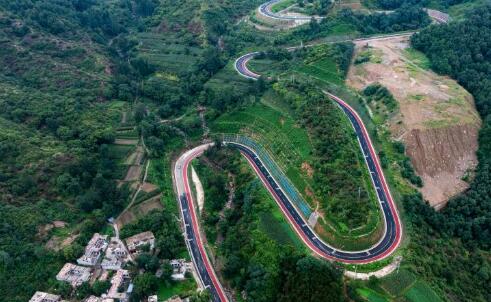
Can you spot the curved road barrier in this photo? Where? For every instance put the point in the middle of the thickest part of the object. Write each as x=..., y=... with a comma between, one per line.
x=265, y=10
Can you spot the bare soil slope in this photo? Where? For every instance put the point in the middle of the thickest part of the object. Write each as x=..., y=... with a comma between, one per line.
x=437, y=120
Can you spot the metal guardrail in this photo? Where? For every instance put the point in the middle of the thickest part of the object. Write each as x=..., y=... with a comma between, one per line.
x=274, y=170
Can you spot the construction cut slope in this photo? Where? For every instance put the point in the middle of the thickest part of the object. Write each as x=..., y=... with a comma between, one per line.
x=436, y=119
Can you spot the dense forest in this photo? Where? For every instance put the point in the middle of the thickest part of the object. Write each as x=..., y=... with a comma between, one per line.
x=54, y=135
x=393, y=4
x=459, y=235
x=462, y=50
x=404, y=18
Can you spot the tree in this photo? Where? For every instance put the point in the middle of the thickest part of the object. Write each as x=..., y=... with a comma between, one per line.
x=203, y=296
x=100, y=287
x=148, y=262
x=73, y=251
x=140, y=112
x=167, y=270
x=144, y=285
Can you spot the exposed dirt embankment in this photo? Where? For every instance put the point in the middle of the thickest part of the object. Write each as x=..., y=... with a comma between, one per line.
x=441, y=157
x=436, y=118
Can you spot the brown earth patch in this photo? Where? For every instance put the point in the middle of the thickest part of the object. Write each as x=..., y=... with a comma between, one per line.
x=133, y=173
x=57, y=243
x=437, y=120
x=139, y=210
x=148, y=187
x=43, y=230
x=439, y=155
x=307, y=168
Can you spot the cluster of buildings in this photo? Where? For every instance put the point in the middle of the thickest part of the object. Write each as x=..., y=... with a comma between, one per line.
x=105, y=258
x=102, y=258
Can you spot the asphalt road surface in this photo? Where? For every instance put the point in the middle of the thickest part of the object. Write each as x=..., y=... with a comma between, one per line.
x=189, y=218
x=265, y=10
x=386, y=245
x=392, y=225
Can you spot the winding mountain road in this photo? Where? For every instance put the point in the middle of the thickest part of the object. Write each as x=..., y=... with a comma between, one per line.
x=388, y=242
x=386, y=245
x=265, y=9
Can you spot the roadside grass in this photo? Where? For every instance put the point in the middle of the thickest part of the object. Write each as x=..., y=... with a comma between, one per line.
x=371, y=295
x=420, y=292
x=228, y=79
x=397, y=283
x=282, y=5
x=268, y=67
x=183, y=288
x=274, y=223
x=417, y=58
x=160, y=174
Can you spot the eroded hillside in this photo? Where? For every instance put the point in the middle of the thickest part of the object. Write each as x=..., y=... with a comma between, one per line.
x=435, y=117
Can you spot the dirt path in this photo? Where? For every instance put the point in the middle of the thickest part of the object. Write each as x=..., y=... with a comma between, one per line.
x=140, y=187
x=379, y=274
x=205, y=128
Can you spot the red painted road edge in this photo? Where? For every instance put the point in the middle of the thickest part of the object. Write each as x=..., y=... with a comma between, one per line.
x=374, y=155
x=197, y=233
x=296, y=227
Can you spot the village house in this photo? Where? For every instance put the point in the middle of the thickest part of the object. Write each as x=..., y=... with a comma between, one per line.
x=44, y=297
x=74, y=274
x=134, y=243
x=120, y=283
x=93, y=251
x=116, y=255
x=98, y=299
x=180, y=267
x=152, y=298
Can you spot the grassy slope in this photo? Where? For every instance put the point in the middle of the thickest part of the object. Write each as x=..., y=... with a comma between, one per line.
x=290, y=147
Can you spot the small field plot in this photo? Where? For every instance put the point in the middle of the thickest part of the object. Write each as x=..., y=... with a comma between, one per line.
x=397, y=283
x=324, y=69
x=370, y=295
x=228, y=79
x=420, y=292
x=167, y=52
